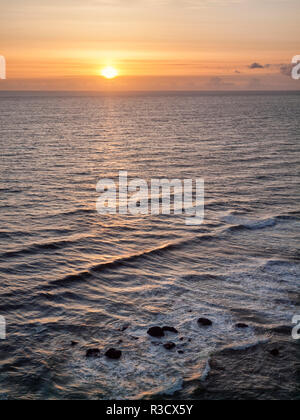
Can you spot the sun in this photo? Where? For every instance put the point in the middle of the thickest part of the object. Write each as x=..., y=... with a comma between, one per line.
x=109, y=72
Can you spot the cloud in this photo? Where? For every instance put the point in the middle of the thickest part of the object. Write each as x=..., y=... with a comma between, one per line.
x=256, y=66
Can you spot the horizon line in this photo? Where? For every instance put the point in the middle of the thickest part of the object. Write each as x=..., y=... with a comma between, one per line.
x=151, y=91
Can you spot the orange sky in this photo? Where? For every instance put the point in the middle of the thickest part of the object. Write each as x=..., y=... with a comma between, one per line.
x=154, y=44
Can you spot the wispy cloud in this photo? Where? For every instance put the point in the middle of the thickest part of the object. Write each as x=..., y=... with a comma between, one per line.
x=254, y=66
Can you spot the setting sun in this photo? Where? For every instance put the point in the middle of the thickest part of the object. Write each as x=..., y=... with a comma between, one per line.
x=109, y=72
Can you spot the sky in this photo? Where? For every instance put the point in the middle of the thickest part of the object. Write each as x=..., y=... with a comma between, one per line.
x=154, y=44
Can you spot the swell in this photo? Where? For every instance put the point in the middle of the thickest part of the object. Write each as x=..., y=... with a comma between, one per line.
x=10, y=191
x=123, y=261
x=129, y=259
x=77, y=212
x=242, y=223
x=15, y=234
x=237, y=224
x=37, y=248
x=291, y=215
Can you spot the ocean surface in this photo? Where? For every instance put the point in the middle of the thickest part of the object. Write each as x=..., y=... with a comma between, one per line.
x=68, y=274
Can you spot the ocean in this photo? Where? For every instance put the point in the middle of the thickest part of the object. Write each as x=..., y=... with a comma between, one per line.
x=68, y=274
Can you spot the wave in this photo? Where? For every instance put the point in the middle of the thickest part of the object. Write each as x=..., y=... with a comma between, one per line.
x=36, y=248
x=5, y=235
x=118, y=262
x=10, y=191
x=243, y=223
x=202, y=277
x=237, y=223
x=292, y=215
x=13, y=234
x=128, y=259
x=246, y=345
x=77, y=212
x=125, y=260
x=240, y=222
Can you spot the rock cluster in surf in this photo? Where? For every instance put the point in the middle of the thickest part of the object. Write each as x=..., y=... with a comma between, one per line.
x=159, y=332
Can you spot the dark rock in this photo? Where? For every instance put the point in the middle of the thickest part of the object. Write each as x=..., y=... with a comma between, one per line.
x=275, y=352
x=204, y=322
x=124, y=328
x=180, y=352
x=156, y=332
x=93, y=353
x=181, y=338
x=169, y=346
x=242, y=326
x=74, y=343
x=113, y=354
x=170, y=329
x=284, y=329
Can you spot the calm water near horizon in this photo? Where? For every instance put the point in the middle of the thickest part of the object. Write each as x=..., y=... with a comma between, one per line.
x=68, y=274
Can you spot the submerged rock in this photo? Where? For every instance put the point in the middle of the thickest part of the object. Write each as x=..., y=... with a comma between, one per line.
x=93, y=353
x=113, y=354
x=283, y=329
x=204, y=322
x=124, y=328
x=156, y=332
x=170, y=329
x=169, y=346
x=275, y=352
x=242, y=326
